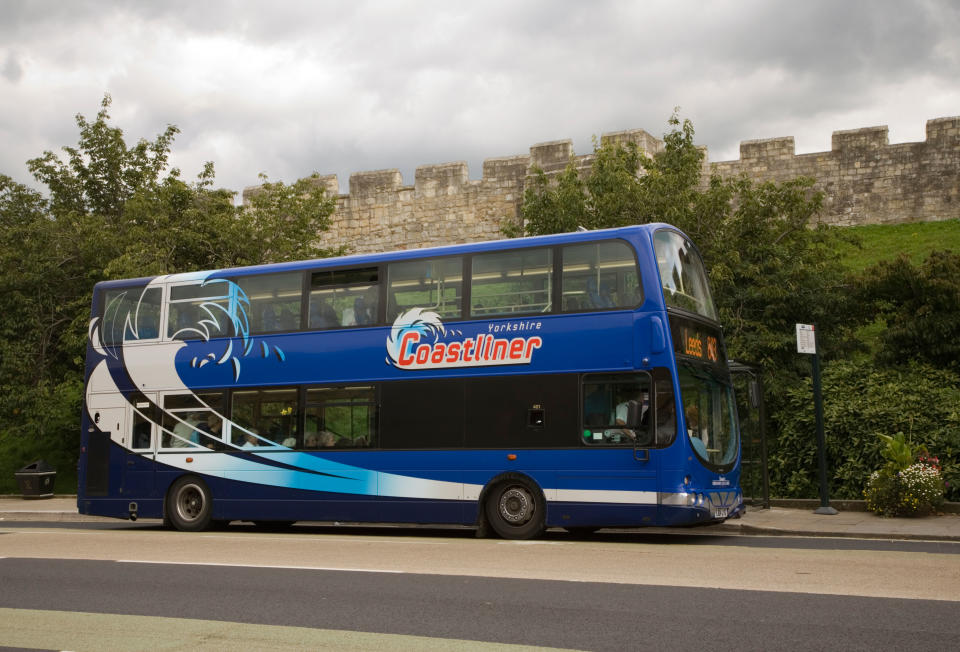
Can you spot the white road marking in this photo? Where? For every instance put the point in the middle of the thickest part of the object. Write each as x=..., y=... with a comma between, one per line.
x=277, y=566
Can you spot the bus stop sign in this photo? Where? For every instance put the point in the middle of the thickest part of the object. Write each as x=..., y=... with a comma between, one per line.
x=806, y=339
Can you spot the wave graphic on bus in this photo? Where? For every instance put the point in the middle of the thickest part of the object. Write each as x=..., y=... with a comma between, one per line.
x=228, y=314
x=146, y=369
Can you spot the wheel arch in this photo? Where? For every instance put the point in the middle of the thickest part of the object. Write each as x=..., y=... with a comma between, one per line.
x=496, y=481
x=175, y=482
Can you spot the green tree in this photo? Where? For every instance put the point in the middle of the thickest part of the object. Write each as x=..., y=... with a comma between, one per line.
x=920, y=305
x=113, y=211
x=101, y=174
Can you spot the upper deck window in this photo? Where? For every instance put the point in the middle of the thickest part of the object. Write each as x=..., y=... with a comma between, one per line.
x=274, y=301
x=202, y=310
x=344, y=298
x=434, y=284
x=131, y=314
x=511, y=282
x=682, y=274
x=600, y=275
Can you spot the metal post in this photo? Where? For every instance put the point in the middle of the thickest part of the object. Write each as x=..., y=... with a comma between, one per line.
x=825, y=507
x=765, y=474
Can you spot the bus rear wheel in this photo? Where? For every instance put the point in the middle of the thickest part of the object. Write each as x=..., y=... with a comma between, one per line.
x=516, y=510
x=189, y=505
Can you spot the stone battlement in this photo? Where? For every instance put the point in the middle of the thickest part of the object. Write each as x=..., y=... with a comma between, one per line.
x=866, y=181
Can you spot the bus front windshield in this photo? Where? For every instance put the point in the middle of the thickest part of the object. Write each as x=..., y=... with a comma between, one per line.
x=682, y=274
x=710, y=416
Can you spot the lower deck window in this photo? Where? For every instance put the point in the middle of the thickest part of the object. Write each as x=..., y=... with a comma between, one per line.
x=340, y=417
x=629, y=409
x=264, y=418
x=616, y=409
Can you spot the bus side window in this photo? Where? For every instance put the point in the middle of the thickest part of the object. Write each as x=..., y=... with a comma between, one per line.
x=616, y=409
x=340, y=417
x=344, y=298
x=140, y=435
x=435, y=285
x=508, y=282
x=190, y=421
x=265, y=417
x=148, y=314
x=191, y=306
x=600, y=276
x=274, y=301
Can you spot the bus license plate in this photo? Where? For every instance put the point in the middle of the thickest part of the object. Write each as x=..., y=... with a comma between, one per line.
x=721, y=512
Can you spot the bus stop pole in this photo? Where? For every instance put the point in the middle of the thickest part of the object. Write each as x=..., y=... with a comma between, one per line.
x=825, y=507
x=763, y=444
x=807, y=343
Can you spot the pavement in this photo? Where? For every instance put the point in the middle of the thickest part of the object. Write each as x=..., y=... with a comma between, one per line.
x=775, y=521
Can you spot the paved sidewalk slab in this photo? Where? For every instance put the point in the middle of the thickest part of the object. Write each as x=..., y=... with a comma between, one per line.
x=856, y=524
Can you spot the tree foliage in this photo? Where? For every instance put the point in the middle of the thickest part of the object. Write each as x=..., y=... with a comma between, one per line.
x=114, y=211
x=920, y=306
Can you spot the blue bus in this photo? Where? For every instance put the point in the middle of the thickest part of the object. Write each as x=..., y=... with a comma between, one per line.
x=576, y=380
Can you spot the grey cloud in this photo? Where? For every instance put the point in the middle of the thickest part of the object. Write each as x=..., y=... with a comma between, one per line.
x=383, y=85
x=12, y=71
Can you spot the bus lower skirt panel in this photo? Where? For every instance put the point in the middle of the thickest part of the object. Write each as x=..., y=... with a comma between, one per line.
x=566, y=514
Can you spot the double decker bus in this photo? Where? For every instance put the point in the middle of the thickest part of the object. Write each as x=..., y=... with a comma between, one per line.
x=576, y=380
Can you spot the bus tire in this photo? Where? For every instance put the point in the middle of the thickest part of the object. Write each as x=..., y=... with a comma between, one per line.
x=516, y=509
x=189, y=504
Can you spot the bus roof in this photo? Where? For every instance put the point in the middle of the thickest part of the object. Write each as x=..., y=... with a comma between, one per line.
x=406, y=254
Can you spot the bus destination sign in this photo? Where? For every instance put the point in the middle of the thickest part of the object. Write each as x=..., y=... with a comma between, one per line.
x=695, y=340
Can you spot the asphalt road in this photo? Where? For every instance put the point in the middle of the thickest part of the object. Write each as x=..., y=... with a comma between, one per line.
x=128, y=587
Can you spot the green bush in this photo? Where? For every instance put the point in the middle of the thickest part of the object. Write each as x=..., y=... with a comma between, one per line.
x=861, y=400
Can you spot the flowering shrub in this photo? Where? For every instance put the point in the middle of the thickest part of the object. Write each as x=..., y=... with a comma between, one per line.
x=905, y=490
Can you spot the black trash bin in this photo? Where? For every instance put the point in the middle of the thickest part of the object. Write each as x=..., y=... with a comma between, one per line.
x=36, y=480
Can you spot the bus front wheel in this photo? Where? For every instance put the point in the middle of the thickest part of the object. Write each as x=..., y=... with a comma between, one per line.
x=189, y=505
x=516, y=510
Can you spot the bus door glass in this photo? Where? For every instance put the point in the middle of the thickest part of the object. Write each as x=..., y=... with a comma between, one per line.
x=710, y=416
x=140, y=439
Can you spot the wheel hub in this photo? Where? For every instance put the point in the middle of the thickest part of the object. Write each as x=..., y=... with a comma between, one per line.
x=516, y=506
x=191, y=504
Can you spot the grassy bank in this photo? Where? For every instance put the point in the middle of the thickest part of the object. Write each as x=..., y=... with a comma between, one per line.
x=880, y=242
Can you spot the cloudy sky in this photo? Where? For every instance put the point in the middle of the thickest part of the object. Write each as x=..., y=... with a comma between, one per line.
x=289, y=88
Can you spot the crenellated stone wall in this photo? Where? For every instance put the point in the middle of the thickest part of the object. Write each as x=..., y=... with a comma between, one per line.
x=866, y=181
